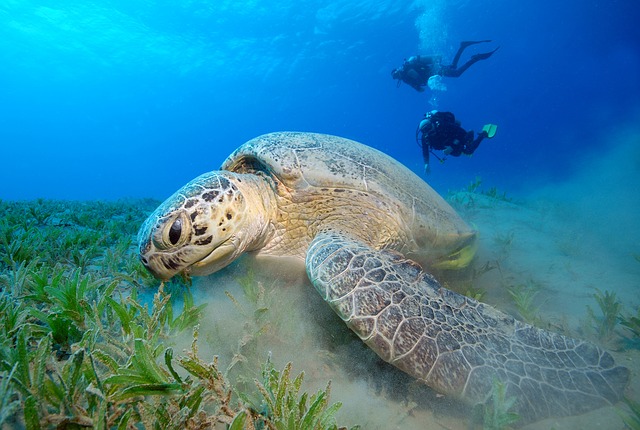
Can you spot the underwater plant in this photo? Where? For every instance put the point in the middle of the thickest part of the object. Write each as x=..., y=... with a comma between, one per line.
x=631, y=323
x=495, y=413
x=83, y=345
x=610, y=309
x=467, y=286
x=284, y=408
x=474, y=185
x=524, y=296
x=504, y=241
x=264, y=324
x=632, y=419
x=257, y=306
x=475, y=293
x=464, y=199
x=497, y=195
x=9, y=402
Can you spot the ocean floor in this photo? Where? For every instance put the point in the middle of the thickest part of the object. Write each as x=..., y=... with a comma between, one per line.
x=544, y=257
x=549, y=257
x=538, y=246
x=553, y=254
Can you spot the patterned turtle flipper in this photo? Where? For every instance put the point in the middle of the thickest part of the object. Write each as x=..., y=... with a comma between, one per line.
x=453, y=343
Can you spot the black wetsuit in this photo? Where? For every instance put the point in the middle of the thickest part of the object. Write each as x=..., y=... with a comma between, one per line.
x=441, y=132
x=417, y=70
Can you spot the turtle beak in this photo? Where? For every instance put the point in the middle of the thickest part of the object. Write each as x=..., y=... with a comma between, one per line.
x=163, y=266
x=162, y=271
x=221, y=256
x=462, y=255
x=155, y=273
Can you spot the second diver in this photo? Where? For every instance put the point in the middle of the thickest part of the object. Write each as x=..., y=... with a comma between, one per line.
x=440, y=131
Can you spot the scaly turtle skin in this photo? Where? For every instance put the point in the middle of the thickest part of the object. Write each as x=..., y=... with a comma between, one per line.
x=366, y=226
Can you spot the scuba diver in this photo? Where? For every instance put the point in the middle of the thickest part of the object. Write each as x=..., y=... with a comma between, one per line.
x=417, y=70
x=440, y=131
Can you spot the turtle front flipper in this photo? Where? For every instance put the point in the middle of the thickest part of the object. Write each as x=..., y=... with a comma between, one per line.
x=453, y=343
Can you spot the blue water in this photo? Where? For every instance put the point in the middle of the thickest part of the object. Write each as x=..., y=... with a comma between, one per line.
x=108, y=99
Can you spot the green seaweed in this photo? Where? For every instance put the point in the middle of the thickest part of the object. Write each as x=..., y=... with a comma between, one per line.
x=495, y=194
x=262, y=326
x=504, y=240
x=524, y=297
x=631, y=324
x=9, y=403
x=465, y=198
x=80, y=347
x=285, y=408
x=495, y=413
x=610, y=307
x=467, y=285
x=474, y=185
x=475, y=293
x=632, y=418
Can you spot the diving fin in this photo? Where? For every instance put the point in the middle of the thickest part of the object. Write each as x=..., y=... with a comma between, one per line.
x=466, y=43
x=490, y=129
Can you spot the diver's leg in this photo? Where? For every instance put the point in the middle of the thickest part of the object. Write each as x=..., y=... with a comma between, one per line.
x=463, y=46
x=466, y=43
x=425, y=157
x=454, y=63
x=473, y=144
x=454, y=71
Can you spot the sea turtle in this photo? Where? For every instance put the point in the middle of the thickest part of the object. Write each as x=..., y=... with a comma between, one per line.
x=367, y=229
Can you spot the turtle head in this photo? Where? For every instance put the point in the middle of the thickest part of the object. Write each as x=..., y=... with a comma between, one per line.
x=204, y=226
x=461, y=254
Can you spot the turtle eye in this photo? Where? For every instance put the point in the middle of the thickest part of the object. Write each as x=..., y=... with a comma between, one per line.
x=175, y=231
x=172, y=234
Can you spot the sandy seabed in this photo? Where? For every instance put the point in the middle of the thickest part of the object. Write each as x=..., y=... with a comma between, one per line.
x=537, y=244
x=567, y=242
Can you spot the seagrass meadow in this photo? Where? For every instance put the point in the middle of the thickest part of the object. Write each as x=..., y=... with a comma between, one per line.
x=86, y=338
